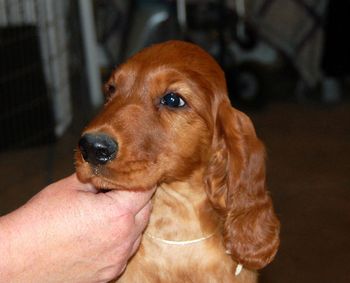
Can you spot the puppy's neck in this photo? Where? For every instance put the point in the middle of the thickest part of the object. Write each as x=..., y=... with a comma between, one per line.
x=181, y=211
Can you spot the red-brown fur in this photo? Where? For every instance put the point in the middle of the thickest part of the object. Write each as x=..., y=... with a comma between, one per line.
x=205, y=159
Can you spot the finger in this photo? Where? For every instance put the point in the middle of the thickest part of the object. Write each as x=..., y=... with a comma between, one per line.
x=142, y=217
x=133, y=201
x=72, y=182
x=134, y=249
x=136, y=245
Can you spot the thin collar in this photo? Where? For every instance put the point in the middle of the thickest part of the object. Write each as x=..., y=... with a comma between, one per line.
x=181, y=243
x=239, y=266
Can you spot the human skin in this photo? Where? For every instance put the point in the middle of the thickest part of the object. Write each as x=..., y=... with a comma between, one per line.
x=69, y=232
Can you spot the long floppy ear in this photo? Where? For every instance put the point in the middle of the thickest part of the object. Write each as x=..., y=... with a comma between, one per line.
x=235, y=185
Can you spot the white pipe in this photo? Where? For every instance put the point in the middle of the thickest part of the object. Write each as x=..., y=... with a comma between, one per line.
x=90, y=49
x=181, y=14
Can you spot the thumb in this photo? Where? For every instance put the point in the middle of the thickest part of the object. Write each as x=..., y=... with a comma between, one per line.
x=73, y=183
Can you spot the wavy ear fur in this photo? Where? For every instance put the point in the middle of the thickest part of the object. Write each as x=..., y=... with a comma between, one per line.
x=235, y=186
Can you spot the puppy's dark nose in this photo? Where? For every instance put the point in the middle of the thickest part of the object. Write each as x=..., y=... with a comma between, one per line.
x=98, y=149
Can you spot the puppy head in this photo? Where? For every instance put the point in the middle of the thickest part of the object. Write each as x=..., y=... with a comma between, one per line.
x=157, y=124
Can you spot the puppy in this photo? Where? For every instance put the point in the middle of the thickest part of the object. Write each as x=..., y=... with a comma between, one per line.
x=168, y=123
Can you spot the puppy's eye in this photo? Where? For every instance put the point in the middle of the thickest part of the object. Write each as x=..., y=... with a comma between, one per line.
x=110, y=89
x=173, y=100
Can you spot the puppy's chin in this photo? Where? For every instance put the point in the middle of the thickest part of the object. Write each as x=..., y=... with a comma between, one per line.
x=105, y=184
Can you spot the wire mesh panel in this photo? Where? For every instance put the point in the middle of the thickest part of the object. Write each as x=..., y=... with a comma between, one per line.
x=34, y=87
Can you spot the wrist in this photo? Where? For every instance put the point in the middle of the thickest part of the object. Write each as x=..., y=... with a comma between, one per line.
x=6, y=259
x=14, y=252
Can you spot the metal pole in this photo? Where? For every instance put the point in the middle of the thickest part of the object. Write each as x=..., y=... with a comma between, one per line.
x=90, y=49
x=182, y=15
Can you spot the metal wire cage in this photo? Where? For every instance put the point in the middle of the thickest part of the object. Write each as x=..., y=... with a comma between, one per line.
x=35, y=99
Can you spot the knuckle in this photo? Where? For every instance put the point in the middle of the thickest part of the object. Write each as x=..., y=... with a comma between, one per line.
x=109, y=273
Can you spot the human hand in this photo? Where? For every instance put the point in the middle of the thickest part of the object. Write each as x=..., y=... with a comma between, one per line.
x=70, y=233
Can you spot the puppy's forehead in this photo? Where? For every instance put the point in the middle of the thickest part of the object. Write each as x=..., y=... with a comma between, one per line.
x=183, y=57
